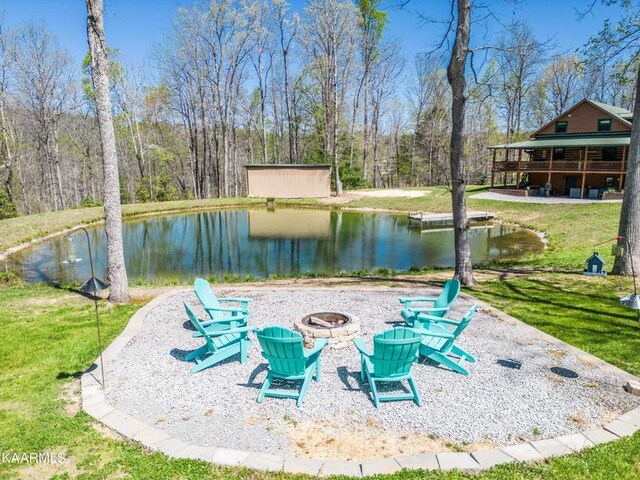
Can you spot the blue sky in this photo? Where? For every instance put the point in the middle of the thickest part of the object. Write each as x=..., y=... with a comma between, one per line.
x=133, y=26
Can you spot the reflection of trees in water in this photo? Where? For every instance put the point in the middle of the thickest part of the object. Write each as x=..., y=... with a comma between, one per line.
x=219, y=242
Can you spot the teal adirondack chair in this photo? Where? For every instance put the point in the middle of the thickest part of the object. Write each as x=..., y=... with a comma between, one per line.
x=221, y=318
x=219, y=345
x=438, y=343
x=394, y=352
x=439, y=305
x=288, y=360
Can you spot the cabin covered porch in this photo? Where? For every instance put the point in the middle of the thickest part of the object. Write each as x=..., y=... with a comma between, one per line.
x=576, y=167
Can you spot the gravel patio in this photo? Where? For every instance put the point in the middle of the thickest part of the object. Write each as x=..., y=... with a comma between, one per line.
x=522, y=388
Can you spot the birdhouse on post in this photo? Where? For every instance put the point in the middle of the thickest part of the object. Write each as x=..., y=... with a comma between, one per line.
x=595, y=266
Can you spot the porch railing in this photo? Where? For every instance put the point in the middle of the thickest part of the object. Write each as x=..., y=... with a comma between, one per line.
x=558, y=166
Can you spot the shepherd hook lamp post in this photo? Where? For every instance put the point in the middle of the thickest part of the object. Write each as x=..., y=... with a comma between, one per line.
x=92, y=286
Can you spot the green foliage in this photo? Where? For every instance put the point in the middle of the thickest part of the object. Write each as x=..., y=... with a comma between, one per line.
x=7, y=207
x=11, y=277
x=116, y=73
x=88, y=203
x=156, y=189
x=351, y=177
x=372, y=22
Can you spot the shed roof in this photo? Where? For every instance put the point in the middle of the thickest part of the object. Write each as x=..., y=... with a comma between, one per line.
x=321, y=166
x=586, y=141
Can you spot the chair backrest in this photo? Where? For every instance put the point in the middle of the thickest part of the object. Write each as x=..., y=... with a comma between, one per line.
x=283, y=349
x=461, y=326
x=207, y=297
x=449, y=293
x=394, y=351
x=196, y=323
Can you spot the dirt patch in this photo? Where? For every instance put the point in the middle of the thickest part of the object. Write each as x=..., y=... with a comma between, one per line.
x=62, y=467
x=328, y=440
x=71, y=396
x=391, y=193
x=379, y=193
x=557, y=353
x=107, y=432
x=44, y=302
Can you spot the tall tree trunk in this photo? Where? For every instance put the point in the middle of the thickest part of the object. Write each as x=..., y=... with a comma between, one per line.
x=365, y=131
x=630, y=213
x=456, y=78
x=116, y=271
x=8, y=183
x=336, y=160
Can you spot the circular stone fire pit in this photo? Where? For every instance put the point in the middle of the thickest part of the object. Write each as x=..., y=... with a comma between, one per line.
x=339, y=328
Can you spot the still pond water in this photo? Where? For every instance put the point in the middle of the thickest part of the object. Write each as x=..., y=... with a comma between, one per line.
x=263, y=242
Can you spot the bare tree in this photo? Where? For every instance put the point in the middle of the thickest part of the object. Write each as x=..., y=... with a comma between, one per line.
x=519, y=55
x=116, y=270
x=384, y=73
x=457, y=80
x=287, y=30
x=262, y=58
x=328, y=38
x=7, y=47
x=44, y=81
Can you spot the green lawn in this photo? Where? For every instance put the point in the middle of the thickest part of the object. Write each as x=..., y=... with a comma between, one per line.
x=47, y=338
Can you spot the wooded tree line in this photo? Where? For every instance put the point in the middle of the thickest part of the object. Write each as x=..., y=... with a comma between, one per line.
x=240, y=82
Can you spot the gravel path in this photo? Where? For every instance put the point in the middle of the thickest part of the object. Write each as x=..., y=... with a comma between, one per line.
x=554, y=392
x=553, y=200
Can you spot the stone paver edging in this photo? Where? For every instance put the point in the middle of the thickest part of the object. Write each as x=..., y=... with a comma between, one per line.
x=94, y=403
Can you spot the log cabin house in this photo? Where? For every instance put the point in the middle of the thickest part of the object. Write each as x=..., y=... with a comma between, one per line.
x=582, y=153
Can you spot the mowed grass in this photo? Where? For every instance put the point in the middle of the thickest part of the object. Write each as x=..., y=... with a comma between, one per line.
x=47, y=338
x=582, y=311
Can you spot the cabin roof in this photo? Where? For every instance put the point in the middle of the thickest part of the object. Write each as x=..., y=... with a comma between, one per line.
x=570, y=141
x=618, y=112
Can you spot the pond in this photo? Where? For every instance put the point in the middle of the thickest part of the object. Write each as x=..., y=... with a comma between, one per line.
x=261, y=242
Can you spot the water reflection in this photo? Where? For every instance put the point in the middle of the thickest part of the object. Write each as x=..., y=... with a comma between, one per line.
x=288, y=223
x=261, y=243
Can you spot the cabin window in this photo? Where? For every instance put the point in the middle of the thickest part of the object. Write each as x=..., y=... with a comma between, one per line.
x=609, y=153
x=604, y=125
x=558, y=153
x=561, y=127
x=608, y=182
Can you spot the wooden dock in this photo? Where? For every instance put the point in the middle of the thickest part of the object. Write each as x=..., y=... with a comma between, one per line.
x=426, y=219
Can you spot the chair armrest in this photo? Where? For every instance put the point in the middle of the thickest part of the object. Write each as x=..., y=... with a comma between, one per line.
x=235, y=299
x=428, y=309
x=219, y=333
x=425, y=317
x=224, y=321
x=223, y=309
x=448, y=321
x=319, y=345
x=428, y=333
x=417, y=299
x=360, y=345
